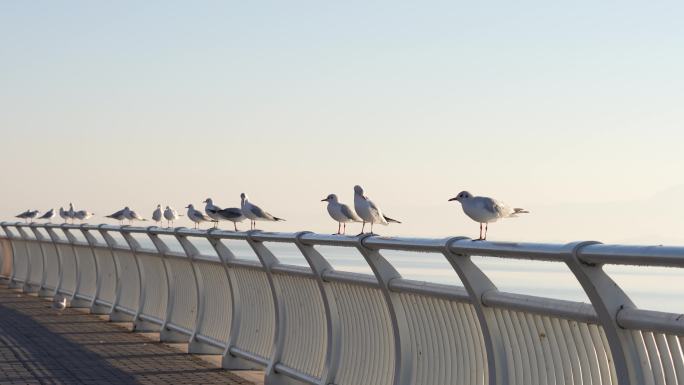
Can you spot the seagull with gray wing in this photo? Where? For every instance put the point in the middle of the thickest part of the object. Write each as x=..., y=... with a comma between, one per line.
x=341, y=213
x=119, y=215
x=132, y=215
x=170, y=214
x=48, y=215
x=83, y=215
x=485, y=210
x=232, y=214
x=369, y=211
x=157, y=215
x=254, y=212
x=28, y=214
x=197, y=216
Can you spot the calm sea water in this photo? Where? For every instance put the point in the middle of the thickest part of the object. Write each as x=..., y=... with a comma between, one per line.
x=651, y=288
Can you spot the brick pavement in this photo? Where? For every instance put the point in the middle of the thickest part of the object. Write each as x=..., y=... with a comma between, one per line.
x=40, y=345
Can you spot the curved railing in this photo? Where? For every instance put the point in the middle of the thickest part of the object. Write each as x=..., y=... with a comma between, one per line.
x=318, y=325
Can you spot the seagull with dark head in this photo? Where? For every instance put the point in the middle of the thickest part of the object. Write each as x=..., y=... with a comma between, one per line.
x=341, y=213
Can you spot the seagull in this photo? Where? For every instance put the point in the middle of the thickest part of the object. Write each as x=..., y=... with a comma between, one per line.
x=83, y=215
x=340, y=212
x=485, y=210
x=28, y=214
x=157, y=214
x=232, y=214
x=196, y=215
x=132, y=215
x=59, y=302
x=368, y=211
x=170, y=214
x=48, y=215
x=64, y=214
x=254, y=212
x=71, y=213
x=119, y=215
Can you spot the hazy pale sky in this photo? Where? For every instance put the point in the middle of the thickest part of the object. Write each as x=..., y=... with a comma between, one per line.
x=572, y=110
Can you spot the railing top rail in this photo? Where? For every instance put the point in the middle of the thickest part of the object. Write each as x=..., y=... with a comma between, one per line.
x=666, y=256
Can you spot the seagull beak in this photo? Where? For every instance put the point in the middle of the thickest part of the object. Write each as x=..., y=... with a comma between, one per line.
x=452, y=199
x=204, y=201
x=324, y=200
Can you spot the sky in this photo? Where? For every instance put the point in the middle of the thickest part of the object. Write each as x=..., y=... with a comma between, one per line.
x=572, y=110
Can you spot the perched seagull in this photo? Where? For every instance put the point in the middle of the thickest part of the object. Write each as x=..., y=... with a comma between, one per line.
x=212, y=211
x=196, y=215
x=340, y=212
x=485, y=210
x=132, y=215
x=71, y=214
x=170, y=214
x=48, y=215
x=28, y=214
x=83, y=215
x=64, y=214
x=119, y=215
x=368, y=211
x=157, y=214
x=59, y=302
x=232, y=214
x=254, y=212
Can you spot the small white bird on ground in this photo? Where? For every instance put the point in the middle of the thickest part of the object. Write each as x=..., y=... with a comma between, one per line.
x=341, y=213
x=157, y=214
x=170, y=214
x=83, y=215
x=254, y=212
x=48, y=215
x=232, y=214
x=369, y=211
x=485, y=210
x=64, y=214
x=28, y=214
x=59, y=302
x=196, y=215
x=132, y=215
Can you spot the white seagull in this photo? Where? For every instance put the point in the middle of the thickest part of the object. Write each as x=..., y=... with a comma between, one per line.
x=485, y=210
x=83, y=215
x=28, y=214
x=170, y=214
x=254, y=212
x=340, y=212
x=157, y=214
x=196, y=215
x=119, y=215
x=64, y=214
x=369, y=211
x=48, y=215
x=232, y=214
x=132, y=215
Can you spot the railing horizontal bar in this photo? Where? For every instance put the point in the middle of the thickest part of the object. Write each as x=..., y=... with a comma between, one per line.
x=210, y=341
x=150, y=318
x=125, y=310
x=449, y=292
x=311, y=239
x=512, y=250
x=273, y=237
x=293, y=269
x=577, y=311
x=427, y=245
x=178, y=329
x=84, y=297
x=649, y=320
x=248, y=356
x=668, y=256
x=352, y=278
x=103, y=302
x=297, y=375
x=245, y=264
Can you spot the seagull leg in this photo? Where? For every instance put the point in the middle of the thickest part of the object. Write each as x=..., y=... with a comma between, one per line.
x=344, y=231
x=486, y=227
x=339, y=227
x=363, y=226
x=235, y=225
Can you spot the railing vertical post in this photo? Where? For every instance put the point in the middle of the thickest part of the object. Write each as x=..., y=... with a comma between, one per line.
x=477, y=284
x=229, y=360
x=139, y=324
x=60, y=260
x=195, y=346
x=384, y=272
x=10, y=278
x=27, y=287
x=268, y=260
x=163, y=249
x=73, y=301
x=40, y=238
x=319, y=265
x=608, y=300
x=114, y=314
x=92, y=243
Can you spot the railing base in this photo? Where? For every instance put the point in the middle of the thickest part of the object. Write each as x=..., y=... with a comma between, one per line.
x=80, y=303
x=166, y=335
x=29, y=288
x=146, y=327
x=231, y=362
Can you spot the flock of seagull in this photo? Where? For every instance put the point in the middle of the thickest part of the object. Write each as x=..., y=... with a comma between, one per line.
x=483, y=210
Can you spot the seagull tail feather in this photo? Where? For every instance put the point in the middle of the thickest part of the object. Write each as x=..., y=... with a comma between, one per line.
x=278, y=219
x=390, y=220
x=517, y=211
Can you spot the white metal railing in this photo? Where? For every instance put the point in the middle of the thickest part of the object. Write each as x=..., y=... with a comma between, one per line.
x=318, y=325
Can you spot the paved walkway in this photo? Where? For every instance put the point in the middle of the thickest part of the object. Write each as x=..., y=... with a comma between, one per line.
x=39, y=345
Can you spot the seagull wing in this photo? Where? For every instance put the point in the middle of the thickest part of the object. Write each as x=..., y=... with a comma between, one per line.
x=347, y=211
